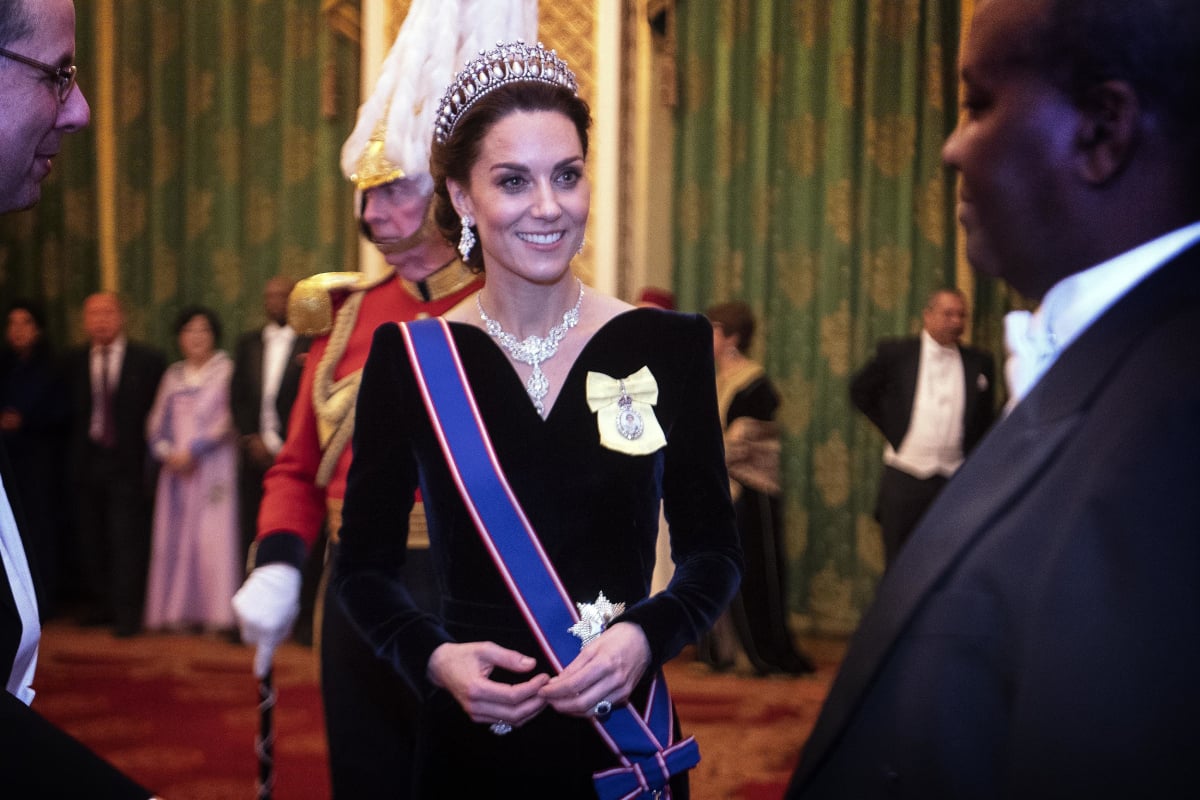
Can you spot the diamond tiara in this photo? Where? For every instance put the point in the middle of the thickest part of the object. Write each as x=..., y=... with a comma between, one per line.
x=505, y=63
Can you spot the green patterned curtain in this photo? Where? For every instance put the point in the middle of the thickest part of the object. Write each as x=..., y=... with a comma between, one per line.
x=810, y=185
x=211, y=164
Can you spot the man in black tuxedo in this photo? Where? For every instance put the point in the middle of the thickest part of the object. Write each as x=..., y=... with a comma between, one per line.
x=933, y=399
x=39, y=104
x=266, y=378
x=1039, y=634
x=113, y=382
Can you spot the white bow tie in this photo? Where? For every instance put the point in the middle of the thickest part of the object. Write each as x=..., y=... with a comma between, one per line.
x=1031, y=348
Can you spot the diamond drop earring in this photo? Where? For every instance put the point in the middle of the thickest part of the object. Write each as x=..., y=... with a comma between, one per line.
x=466, y=242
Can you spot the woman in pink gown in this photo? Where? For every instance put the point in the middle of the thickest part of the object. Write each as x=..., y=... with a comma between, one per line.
x=194, y=568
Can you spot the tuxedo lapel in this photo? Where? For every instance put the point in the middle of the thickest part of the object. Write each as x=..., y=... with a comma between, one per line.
x=972, y=363
x=910, y=368
x=1009, y=458
x=982, y=489
x=254, y=374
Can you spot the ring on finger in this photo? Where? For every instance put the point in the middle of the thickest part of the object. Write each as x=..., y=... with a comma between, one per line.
x=602, y=710
x=500, y=728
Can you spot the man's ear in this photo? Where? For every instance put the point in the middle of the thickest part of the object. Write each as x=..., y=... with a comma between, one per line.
x=459, y=198
x=1110, y=121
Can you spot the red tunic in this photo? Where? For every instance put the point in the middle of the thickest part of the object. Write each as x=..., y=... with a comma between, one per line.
x=292, y=501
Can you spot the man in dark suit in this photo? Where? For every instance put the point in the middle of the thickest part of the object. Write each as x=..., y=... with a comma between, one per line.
x=39, y=104
x=1039, y=635
x=266, y=377
x=933, y=399
x=113, y=382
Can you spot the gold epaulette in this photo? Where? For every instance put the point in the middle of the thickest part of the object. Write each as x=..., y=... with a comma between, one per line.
x=310, y=305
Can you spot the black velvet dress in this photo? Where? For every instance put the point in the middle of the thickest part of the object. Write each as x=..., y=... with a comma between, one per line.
x=759, y=611
x=596, y=513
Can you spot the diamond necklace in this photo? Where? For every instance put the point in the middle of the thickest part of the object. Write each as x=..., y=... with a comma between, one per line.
x=534, y=350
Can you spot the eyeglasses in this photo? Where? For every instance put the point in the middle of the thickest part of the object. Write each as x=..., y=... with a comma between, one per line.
x=64, y=77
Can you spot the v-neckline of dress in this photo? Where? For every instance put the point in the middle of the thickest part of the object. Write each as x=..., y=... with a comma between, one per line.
x=570, y=377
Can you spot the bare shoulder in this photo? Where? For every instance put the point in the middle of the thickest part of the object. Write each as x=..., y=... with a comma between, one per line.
x=599, y=309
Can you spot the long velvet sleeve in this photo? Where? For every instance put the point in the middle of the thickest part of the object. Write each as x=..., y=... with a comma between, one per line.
x=699, y=513
x=380, y=489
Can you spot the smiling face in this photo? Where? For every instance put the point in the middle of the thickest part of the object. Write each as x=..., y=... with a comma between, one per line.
x=1014, y=149
x=528, y=195
x=32, y=119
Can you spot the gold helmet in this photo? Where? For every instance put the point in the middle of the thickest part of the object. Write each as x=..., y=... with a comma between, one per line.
x=394, y=132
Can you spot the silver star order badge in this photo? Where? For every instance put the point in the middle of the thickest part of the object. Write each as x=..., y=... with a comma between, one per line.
x=594, y=618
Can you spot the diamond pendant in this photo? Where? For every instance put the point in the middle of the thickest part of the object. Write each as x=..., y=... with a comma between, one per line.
x=535, y=349
x=537, y=386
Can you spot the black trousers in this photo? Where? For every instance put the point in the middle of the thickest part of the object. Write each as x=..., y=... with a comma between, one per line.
x=114, y=512
x=250, y=495
x=903, y=500
x=371, y=714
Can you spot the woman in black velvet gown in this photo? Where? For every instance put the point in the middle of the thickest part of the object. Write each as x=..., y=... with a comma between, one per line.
x=509, y=173
x=757, y=621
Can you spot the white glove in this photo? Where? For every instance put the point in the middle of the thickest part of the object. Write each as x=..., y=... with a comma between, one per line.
x=266, y=608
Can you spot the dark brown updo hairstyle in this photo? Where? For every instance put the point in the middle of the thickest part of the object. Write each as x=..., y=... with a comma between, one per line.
x=736, y=319
x=457, y=156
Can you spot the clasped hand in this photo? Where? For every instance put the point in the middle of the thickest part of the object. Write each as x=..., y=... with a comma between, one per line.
x=607, y=669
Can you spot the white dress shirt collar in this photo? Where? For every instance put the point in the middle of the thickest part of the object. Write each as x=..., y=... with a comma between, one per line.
x=1076, y=301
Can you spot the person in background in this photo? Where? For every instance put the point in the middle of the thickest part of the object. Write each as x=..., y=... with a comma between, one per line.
x=596, y=412
x=266, y=377
x=33, y=424
x=933, y=399
x=370, y=716
x=39, y=104
x=1039, y=634
x=655, y=297
x=756, y=624
x=112, y=383
x=194, y=560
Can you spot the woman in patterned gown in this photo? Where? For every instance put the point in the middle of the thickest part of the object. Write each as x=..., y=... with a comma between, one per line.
x=194, y=567
x=511, y=190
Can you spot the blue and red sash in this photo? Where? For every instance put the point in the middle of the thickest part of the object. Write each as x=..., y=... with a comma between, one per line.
x=643, y=741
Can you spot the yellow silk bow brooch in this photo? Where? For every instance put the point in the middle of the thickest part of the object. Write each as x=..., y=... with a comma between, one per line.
x=624, y=412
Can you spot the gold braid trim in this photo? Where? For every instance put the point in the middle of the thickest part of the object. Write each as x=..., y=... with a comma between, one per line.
x=450, y=279
x=333, y=401
x=310, y=305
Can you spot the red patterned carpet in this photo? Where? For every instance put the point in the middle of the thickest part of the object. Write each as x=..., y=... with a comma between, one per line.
x=179, y=714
